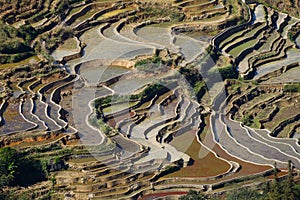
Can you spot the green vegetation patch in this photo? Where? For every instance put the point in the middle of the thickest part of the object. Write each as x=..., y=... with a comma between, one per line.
x=19, y=169
x=14, y=43
x=104, y=104
x=228, y=72
x=295, y=88
x=294, y=32
x=236, y=51
x=149, y=64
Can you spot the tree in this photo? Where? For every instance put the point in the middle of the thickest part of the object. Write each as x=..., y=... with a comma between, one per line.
x=243, y=194
x=17, y=169
x=286, y=190
x=275, y=190
x=9, y=160
x=193, y=195
x=296, y=191
x=289, y=183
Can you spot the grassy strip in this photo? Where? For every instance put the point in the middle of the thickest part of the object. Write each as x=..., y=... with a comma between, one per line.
x=292, y=88
x=236, y=51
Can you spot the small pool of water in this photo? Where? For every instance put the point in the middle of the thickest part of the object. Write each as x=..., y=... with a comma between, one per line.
x=96, y=72
x=189, y=46
x=296, y=135
x=281, y=17
x=127, y=86
x=259, y=14
x=298, y=42
x=156, y=35
x=69, y=47
x=293, y=56
x=58, y=54
x=291, y=75
x=111, y=50
x=199, y=35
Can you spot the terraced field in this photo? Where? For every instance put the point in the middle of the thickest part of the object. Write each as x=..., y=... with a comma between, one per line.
x=262, y=47
x=132, y=96
x=273, y=108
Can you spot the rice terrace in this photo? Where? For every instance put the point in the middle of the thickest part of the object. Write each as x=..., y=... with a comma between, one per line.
x=163, y=99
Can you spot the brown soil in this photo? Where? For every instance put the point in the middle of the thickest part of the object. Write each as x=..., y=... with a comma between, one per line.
x=206, y=166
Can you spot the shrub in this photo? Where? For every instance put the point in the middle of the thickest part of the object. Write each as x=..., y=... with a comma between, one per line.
x=149, y=64
x=247, y=120
x=200, y=89
x=15, y=57
x=28, y=33
x=152, y=90
x=228, y=72
x=7, y=32
x=13, y=47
